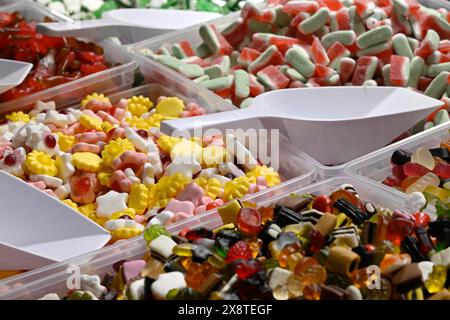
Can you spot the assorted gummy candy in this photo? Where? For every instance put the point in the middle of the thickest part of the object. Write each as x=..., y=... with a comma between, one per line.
x=291, y=44
x=56, y=60
x=94, y=9
x=308, y=247
x=110, y=162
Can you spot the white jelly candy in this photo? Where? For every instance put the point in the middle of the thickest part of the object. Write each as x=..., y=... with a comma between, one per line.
x=110, y=203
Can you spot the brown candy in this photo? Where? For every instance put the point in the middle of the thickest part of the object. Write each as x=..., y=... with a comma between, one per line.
x=407, y=278
x=326, y=224
x=444, y=294
x=332, y=293
x=342, y=260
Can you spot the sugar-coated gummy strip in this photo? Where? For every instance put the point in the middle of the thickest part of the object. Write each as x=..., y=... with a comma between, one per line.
x=241, y=84
x=415, y=71
x=218, y=83
x=374, y=36
x=436, y=69
x=438, y=86
x=399, y=73
x=270, y=55
x=364, y=70
x=315, y=22
x=298, y=58
x=375, y=49
x=345, y=37
x=401, y=45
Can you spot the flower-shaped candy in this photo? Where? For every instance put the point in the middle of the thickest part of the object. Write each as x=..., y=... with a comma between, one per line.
x=84, y=187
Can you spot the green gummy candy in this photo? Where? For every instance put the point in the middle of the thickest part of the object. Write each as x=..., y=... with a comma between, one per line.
x=241, y=84
x=201, y=78
x=263, y=58
x=165, y=51
x=428, y=125
x=441, y=117
x=356, y=21
x=259, y=26
x=401, y=46
x=282, y=19
x=432, y=37
x=234, y=58
x=373, y=50
x=436, y=69
x=374, y=36
x=169, y=61
x=315, y=22
x=154, y=231
x=370, y=83
x=214, y=71
x=415, y=71
x=202, y=51
x=294, y=75
x=246, y=103
x=209, y=38
x=178, y=52
x=448, y=91
x=225, y=64
x=413, y=43
x=191, y=71
x=345, y=37
x=298, y=58
x=385, y=72
x=218, y=83
x=438, y=86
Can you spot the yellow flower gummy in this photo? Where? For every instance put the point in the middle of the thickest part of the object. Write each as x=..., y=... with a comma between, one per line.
x=65, y=142
x=272, y=177
x=211, y=186
x=90, y=122
x=87, y=209
x=104, y=178
x=138, y=105
x=114, y=149
x=138, y=199
x=124, y=233
x=186, y=149
x=168, y=186
x=70, y=203
x=138, y=123
x=166, y=143
x=38, y=162
x=18, y=116
x=96, y=96
x=236, y=188
x=170, y=107
x=212, y=156
x=87, y=161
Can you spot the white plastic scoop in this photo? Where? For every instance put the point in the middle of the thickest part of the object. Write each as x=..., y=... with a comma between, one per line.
x=130, y=25
x=12, y=73
x=37, y=230
x=332, y=124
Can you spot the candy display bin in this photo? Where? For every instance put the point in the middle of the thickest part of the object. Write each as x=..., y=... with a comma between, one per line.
x=37, y=283
x=294, y=168
x=376, y=166
x=119, y=77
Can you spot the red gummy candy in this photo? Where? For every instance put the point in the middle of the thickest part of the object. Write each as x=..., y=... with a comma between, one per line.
x=249, y=221
x=239, y=250
x=421, y=219
x=442, y=170
x=391, y=182
x=247, y=269
x=323, y=203
x=398, y=172
x=414, y=169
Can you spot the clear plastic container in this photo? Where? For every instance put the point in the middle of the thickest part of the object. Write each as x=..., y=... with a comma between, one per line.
x=35, y=284
x=293, y=166
x=376, y=166
x=118, y=77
